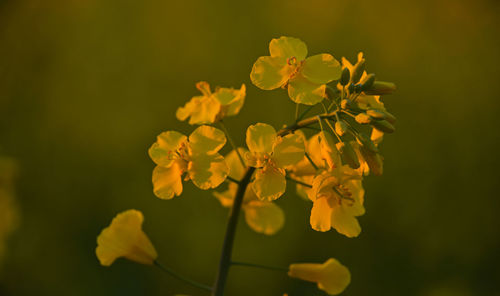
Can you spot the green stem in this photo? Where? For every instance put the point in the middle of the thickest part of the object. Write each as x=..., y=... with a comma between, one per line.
x=237, y=263
x=232, y=180
x=182, y=278
x=304, y=113
x=299, y=182
x=224, y=128
x=311, y=161
x=297, y=106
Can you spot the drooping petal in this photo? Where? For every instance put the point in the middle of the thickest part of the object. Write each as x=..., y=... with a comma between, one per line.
x=207, y=171
x=162, y=152
x=331, y=276
x=288, y=150
x=231, y=99
x=206, y=140
x=345, y=223
x=260, y=138
x=201, y=110
x=303, y=91
x=270, y=73
x=269, y=183
x=321, y=215
x=125, y=238
x=288, y=47
x=236, y=169
x=167, y=182
x=264, y=217
x=321, y=68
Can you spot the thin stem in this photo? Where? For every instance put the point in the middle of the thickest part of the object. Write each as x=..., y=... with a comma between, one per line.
x=182, y=278
x=232, y=180
x=298, y=182
x=237, y=263
x=311, y=161
x=224, y=128
x=297, y=107
x=304, y=113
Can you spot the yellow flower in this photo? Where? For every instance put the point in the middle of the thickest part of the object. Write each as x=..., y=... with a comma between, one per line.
x=197, y=156
x=331, y=276
x=338, y=198
x=125, y=238
x=211, y=107
x=288, y=66
x=262, y=216
x=271, y=154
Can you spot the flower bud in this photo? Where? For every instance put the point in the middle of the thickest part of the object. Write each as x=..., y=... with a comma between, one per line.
x=381, y=88
x=363, y=118
x=331, y=94
x=365, y=141
x=357, y=71
x=373, y=159
x=376, y=114
x=345, y=104
x=367, y=82
x=340, y=127
x=383, y=126
x=348, y=154
x=344, y=78
x=389, y=117
x=350, y=88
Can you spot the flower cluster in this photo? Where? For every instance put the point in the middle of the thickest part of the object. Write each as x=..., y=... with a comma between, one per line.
x=327, y=167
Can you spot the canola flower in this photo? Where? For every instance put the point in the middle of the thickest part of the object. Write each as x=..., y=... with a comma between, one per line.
x=327, y=167
x=271, y=154
x=288, y=67
x=125, y=238
x=211, y=107
x=331, y=276
x=176, y=154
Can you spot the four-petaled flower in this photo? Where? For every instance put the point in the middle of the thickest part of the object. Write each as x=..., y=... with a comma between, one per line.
x=331, y=276
x=306, y=78
x=271, y=154
x=175, y=154
x=211, y=107
x=338, y=198
x=261, y=215
x=125, y=238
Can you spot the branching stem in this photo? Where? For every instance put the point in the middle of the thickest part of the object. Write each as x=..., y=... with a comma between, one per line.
x=183, y=278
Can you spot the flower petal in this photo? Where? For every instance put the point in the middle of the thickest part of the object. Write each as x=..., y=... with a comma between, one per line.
x=288, y=47
x=208, y=171
x=202, y=110
x=321, y=68
x=269, y=183
x=329, y=150
x=345, y=223
x=321, y=215
x=206, y=139
x=226, y=198
x=231, y=99
x=125, y=238
x=303, y=91
x=236, y=169
x=264, y=217
x=260, y=138
x=163, y=150
x=270, y=73
x=167, y=182
x=288, y=150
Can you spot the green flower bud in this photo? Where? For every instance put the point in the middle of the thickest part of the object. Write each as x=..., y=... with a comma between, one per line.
x=345, y=104
x=389, y=117
x=344, y=78
x=381, y=88
x=365, y=141
x=383, y=126
x=363, y=118
x=373, y=159
x=367, y=82
x=350, y=88
x=348, y=154
x=376, y=114
x=340, y=127
x=357, y=71
x=331, y=94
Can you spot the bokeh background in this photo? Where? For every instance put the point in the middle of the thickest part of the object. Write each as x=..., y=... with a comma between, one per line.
x=86, y=85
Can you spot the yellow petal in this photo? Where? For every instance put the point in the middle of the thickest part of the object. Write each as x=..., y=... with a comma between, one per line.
x=328, y=150
x=226, y=198
x=288, y=47
x=206, y=140
x=270, y=73
x=204, y=88
x=202, y=110
x=264, y=217
x=331, y=276
x=321, y=68
x=236, y=169
x=303, y=91
x=376, y=136
x=260, y=138
x=207, y=171
x=167, y=182
x=345, y=223
x=321, y=215
x=288, y=150
x=125, y=238
x=162, y=152
x=231, y=99
x=269, y=183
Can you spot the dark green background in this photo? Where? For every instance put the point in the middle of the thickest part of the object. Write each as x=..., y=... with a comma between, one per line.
x=86, y=85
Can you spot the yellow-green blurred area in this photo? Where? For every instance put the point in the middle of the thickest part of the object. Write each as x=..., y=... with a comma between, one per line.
x=86, y=85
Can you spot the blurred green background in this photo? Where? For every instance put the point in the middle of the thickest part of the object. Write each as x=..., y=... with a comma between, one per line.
x=86, y=85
